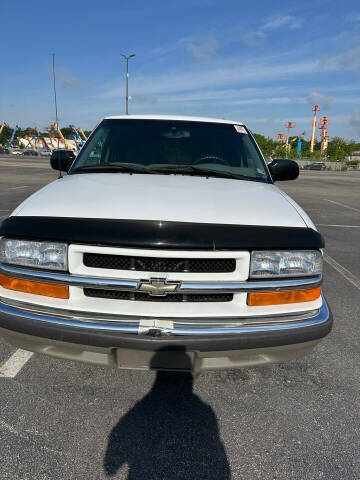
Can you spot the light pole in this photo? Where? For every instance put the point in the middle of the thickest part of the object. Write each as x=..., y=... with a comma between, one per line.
x=127, y=79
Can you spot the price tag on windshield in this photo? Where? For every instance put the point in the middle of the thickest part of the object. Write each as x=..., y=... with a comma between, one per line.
x=240, y=129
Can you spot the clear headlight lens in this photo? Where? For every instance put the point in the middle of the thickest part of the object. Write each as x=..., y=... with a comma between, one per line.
x=296, y=263
x=50, y=255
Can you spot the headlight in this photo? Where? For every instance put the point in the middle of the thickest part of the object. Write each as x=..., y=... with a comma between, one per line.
x=299, y=263
x=50, y=255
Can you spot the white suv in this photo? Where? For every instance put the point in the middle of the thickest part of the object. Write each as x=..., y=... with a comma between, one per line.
x=166, y=246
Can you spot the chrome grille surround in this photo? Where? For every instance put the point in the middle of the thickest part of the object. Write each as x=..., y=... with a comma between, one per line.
x=185, y=287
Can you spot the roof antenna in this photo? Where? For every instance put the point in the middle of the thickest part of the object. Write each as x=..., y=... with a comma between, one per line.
x=56, y=108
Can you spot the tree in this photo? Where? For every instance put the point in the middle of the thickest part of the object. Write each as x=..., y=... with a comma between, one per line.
x=280, y=150
x=5, y=136
x=266, y=144
x=67, y=132
x=338, y=149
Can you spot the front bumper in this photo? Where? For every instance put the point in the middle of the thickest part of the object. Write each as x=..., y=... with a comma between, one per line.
x=175, y=344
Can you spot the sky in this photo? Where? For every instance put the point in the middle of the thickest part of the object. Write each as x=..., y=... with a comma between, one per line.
x=263, y=63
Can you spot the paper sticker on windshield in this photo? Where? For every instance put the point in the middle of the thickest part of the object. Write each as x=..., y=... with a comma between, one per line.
x=240, y=129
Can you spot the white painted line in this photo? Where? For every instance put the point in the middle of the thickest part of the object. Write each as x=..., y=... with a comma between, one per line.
x=15, y=188
x=15, y=363
x=340, y=226
x=343, y=205
x=350, y=277
x=27, y=435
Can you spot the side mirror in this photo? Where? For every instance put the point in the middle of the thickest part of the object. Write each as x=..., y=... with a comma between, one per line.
x=62, y=160
x=283, y=169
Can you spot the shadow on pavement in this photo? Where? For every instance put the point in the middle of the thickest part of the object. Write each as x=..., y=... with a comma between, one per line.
x=169, y=434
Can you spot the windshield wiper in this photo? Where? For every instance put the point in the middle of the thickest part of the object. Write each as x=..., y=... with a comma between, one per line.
x=113, y=168
x=180, y=169
x=201, y=171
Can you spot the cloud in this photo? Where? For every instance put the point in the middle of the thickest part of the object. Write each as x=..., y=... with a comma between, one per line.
x=66, y=78
x=144, y=99
x=219, y=75
x=253, y=38
x=353, y=18
x=279, y=21
x=272, y=23
x=170, y=48
x=324, y=101
x=351, y=58
x=203, y=50
x=355, y=120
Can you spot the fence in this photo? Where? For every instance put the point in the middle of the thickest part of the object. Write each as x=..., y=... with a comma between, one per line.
x=329, y=165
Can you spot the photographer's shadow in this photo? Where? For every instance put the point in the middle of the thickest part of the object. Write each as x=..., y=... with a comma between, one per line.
x=169, y=434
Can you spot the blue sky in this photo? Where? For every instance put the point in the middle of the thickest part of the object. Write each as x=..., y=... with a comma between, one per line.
x=260, y=62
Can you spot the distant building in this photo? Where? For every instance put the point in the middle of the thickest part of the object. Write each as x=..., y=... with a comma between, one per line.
x=354, y=156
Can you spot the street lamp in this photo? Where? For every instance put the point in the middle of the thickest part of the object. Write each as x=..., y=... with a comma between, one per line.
x=127, y=79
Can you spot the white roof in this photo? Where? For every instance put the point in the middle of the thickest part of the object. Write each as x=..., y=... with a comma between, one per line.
x=174, y=117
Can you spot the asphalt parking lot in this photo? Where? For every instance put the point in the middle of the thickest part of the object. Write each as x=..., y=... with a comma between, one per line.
x=300, y=420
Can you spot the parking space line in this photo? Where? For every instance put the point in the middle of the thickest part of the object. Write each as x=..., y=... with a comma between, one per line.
x=26, y=435
x=341, y=226
x=343, y=205
x=15, y=363
x=16, y=188
x=350, y=277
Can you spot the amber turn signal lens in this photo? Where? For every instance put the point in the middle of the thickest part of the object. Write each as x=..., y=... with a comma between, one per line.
x=37, y=288
x=278, y=298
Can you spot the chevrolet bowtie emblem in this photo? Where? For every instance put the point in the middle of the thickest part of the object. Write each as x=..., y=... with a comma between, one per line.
x=158, y=287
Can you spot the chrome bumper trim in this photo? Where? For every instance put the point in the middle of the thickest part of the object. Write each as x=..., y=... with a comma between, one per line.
x=174, y=326
x=184, y=287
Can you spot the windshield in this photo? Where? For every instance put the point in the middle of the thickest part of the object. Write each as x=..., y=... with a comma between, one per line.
x=166, y=146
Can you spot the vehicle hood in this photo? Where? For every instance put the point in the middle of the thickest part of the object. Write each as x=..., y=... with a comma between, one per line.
x=179, y=198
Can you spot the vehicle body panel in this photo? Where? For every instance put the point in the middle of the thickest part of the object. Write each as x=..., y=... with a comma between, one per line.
x=181, y=198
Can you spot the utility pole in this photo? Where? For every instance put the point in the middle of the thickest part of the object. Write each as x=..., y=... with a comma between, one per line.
x=55, y=99
x=127, y=79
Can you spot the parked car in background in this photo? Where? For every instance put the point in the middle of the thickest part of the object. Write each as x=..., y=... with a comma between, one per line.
x=31, y=153
x=166, y=246
x=4, y=151
x=16, y=151
x=315, y=166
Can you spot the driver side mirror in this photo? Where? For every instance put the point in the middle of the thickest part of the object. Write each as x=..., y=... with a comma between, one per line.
x=62, y=160
x=283, y=169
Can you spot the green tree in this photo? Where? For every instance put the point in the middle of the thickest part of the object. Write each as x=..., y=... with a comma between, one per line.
x=280, y=150
x=67, y=132
x=266, y=144
x=338, y=149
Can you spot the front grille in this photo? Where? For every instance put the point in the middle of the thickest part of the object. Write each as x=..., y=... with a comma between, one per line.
x=159, y=264
x=145, y=297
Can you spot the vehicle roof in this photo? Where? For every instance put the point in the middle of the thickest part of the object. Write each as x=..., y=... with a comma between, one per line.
x=174, y=117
